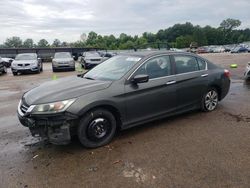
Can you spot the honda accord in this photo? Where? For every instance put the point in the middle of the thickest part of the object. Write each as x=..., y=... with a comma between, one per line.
x=122, y=92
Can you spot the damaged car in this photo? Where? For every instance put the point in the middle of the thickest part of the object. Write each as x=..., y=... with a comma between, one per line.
x=247, y=72
x=122, y=92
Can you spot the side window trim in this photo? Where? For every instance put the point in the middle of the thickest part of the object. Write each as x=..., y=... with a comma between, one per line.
x=206, y=68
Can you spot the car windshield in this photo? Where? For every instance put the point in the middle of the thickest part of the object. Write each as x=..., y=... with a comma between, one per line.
x=92, y=54
x=113, y=68
x=62, y=55
x=26, y=57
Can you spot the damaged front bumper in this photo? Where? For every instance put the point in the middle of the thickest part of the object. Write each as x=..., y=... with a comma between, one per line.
x=57, y=128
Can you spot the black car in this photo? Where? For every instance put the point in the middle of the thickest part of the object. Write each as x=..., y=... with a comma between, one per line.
x=122, y=92
x=3, y=67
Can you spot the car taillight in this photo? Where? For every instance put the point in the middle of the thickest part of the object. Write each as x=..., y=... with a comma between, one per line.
x=227, y=73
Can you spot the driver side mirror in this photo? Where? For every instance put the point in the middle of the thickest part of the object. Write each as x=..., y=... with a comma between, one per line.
x=141, y=78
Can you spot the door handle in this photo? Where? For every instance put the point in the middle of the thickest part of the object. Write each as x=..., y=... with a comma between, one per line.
x=171, y=82
x=204, y=75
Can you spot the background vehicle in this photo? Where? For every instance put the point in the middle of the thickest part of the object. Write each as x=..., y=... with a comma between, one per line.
x=3, y=67
x=7, y=61
x=63, y=61
x=201, y=50
x=124, y=91
x=90, y=59
x=239, y=49
x=27, y=62
x=219, y=49
x=247, y=72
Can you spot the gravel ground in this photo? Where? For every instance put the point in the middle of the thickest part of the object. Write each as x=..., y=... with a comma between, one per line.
x=191, y=150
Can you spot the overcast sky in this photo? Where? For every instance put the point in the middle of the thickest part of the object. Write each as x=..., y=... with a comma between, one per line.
x=67, y=19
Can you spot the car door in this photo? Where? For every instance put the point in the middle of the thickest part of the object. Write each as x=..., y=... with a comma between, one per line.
x=191, y=80
x=155, y=97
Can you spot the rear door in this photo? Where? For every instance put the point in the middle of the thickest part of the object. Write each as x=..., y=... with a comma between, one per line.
x=191, y=80
x=155, y=97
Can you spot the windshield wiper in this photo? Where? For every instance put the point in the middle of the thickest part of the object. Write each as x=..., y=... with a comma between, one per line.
x=89, y=78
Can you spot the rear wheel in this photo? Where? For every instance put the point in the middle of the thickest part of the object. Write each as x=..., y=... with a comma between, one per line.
x=14, y=73
x=97, y=128
x=210, y=100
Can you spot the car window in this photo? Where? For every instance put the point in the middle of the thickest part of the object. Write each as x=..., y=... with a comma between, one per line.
x=185, y=64
x=156, y=67
x=202, y=64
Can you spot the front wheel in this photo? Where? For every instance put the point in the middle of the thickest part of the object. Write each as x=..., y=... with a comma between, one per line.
x=4, y=69
x=96, y=128
x=210, y=100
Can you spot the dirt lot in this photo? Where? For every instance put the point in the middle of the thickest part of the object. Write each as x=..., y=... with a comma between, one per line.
x=191, y=150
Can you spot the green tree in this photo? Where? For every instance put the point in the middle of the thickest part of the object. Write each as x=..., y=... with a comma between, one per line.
x=56, y=43
x=227, y=27
x=184, y=41
x=13, y=42
x=43, y=43
x=28, y=43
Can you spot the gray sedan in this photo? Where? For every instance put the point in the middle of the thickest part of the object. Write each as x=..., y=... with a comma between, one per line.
x=122, y=92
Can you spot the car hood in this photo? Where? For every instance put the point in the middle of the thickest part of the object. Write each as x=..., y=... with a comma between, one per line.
x=24, y=61
x=63, y=89
x=62, y=59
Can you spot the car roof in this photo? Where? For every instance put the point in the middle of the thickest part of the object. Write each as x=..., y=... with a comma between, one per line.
x=27, y=54
x=144, y=54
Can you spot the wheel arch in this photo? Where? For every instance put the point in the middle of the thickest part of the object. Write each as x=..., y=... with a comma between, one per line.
x=218, y=88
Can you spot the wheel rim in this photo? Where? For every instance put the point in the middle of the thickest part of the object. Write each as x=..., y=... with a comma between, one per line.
x=98, y=129
x=211, y=100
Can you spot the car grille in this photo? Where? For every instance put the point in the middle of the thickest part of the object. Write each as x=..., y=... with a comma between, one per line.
x=23, y=65
x=95, y=60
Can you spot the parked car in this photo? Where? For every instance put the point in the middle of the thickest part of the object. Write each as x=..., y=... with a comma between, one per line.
x=7, y=61
x=202, y=50
x=239, y=49
x=3, y=67
x=26, y=62
x=122, y=92
x=63, y=61
x=90, y=59
x=219, y=49
x=247, y=72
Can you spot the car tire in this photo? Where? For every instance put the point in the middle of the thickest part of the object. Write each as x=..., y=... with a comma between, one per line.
x=14, y=73
x=4, y=69
x=54, y=69
x=210, y=100
x=96, y=128
x=41, y=69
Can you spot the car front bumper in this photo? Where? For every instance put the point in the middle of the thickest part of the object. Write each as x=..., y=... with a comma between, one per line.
x=24, y=69
x=57, y=128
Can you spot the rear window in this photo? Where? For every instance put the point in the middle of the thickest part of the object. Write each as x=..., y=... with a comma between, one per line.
x=185, y=64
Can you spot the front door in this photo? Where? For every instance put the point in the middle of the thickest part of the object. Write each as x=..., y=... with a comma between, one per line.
x=155, y=97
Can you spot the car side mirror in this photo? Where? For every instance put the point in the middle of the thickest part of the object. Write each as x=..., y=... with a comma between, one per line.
x=141, y=78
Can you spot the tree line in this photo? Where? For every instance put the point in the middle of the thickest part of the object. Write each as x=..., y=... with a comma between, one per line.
x=177, y=36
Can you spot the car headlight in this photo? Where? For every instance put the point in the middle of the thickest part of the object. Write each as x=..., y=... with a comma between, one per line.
x=51, y=108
